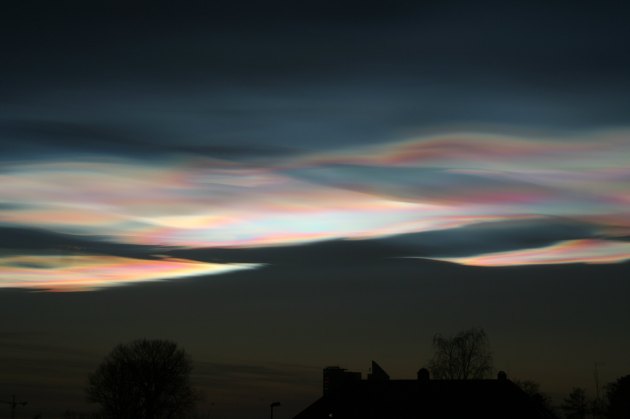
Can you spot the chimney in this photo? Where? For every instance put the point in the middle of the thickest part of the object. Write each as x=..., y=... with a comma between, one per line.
x=378, y=373
x=502, y=376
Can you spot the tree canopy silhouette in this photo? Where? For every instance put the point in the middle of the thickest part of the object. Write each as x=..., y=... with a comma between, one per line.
x=145, y=379
x=576, y=404
x=532, y=389
x=618, y=394
x=461, y=357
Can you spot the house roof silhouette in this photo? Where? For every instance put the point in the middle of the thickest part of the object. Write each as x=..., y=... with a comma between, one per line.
x=347, y=396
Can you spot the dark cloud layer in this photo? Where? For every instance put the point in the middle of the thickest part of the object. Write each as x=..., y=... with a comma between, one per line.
x=313, y=37
x=305, y=75
x=29, y=241
x=468, y=241
x=43, y=138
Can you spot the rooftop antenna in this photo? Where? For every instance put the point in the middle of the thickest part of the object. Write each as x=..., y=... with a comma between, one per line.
x=13, y=403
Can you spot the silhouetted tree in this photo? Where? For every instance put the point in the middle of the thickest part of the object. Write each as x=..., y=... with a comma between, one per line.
x=532, y=389
x=576, y=404
x=618, y=394
x=461, y=357
x=599, y=408
x=145, y=379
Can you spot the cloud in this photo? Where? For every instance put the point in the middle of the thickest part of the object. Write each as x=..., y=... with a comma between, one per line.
x=15, y=240
x=473, y=240
x=85, y=272
x=484, y=238
x=58, y=136
x=573, y=251
x=417, y=187
x=68, y=266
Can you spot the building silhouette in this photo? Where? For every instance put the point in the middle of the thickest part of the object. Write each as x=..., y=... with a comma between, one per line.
x=348, y=396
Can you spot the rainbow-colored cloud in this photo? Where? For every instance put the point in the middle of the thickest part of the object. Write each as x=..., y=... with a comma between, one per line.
x=425, y=184
x=91, y=272
x=573, y=251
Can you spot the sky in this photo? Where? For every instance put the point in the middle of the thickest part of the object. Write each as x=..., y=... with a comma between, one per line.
x=280, y=187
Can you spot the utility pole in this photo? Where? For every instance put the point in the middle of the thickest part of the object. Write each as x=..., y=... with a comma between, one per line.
x=13, y=403
x=598, y=404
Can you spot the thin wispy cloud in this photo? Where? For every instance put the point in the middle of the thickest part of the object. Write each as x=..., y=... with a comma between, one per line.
x=573, y=251
x=85, y=272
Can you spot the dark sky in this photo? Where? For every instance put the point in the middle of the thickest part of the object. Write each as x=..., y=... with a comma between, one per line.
x=282, y=187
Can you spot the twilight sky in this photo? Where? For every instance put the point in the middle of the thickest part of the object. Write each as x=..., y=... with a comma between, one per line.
x=281, y=187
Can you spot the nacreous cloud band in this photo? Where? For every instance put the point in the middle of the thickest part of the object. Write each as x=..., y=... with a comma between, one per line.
x=426, y=184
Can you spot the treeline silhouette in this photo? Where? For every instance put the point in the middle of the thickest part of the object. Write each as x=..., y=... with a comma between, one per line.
x=150, y=379
x=614, y=405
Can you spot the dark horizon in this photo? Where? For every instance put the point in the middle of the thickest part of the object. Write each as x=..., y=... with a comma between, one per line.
x=330, y=324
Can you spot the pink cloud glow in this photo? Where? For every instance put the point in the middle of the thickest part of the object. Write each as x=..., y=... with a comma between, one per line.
x=419, y=185
x=91, y=272
x=574, y=251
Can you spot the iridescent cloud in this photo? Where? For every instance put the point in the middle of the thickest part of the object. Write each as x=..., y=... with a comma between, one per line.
x=573, y=251
x=91, y=272
x=424, y=184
